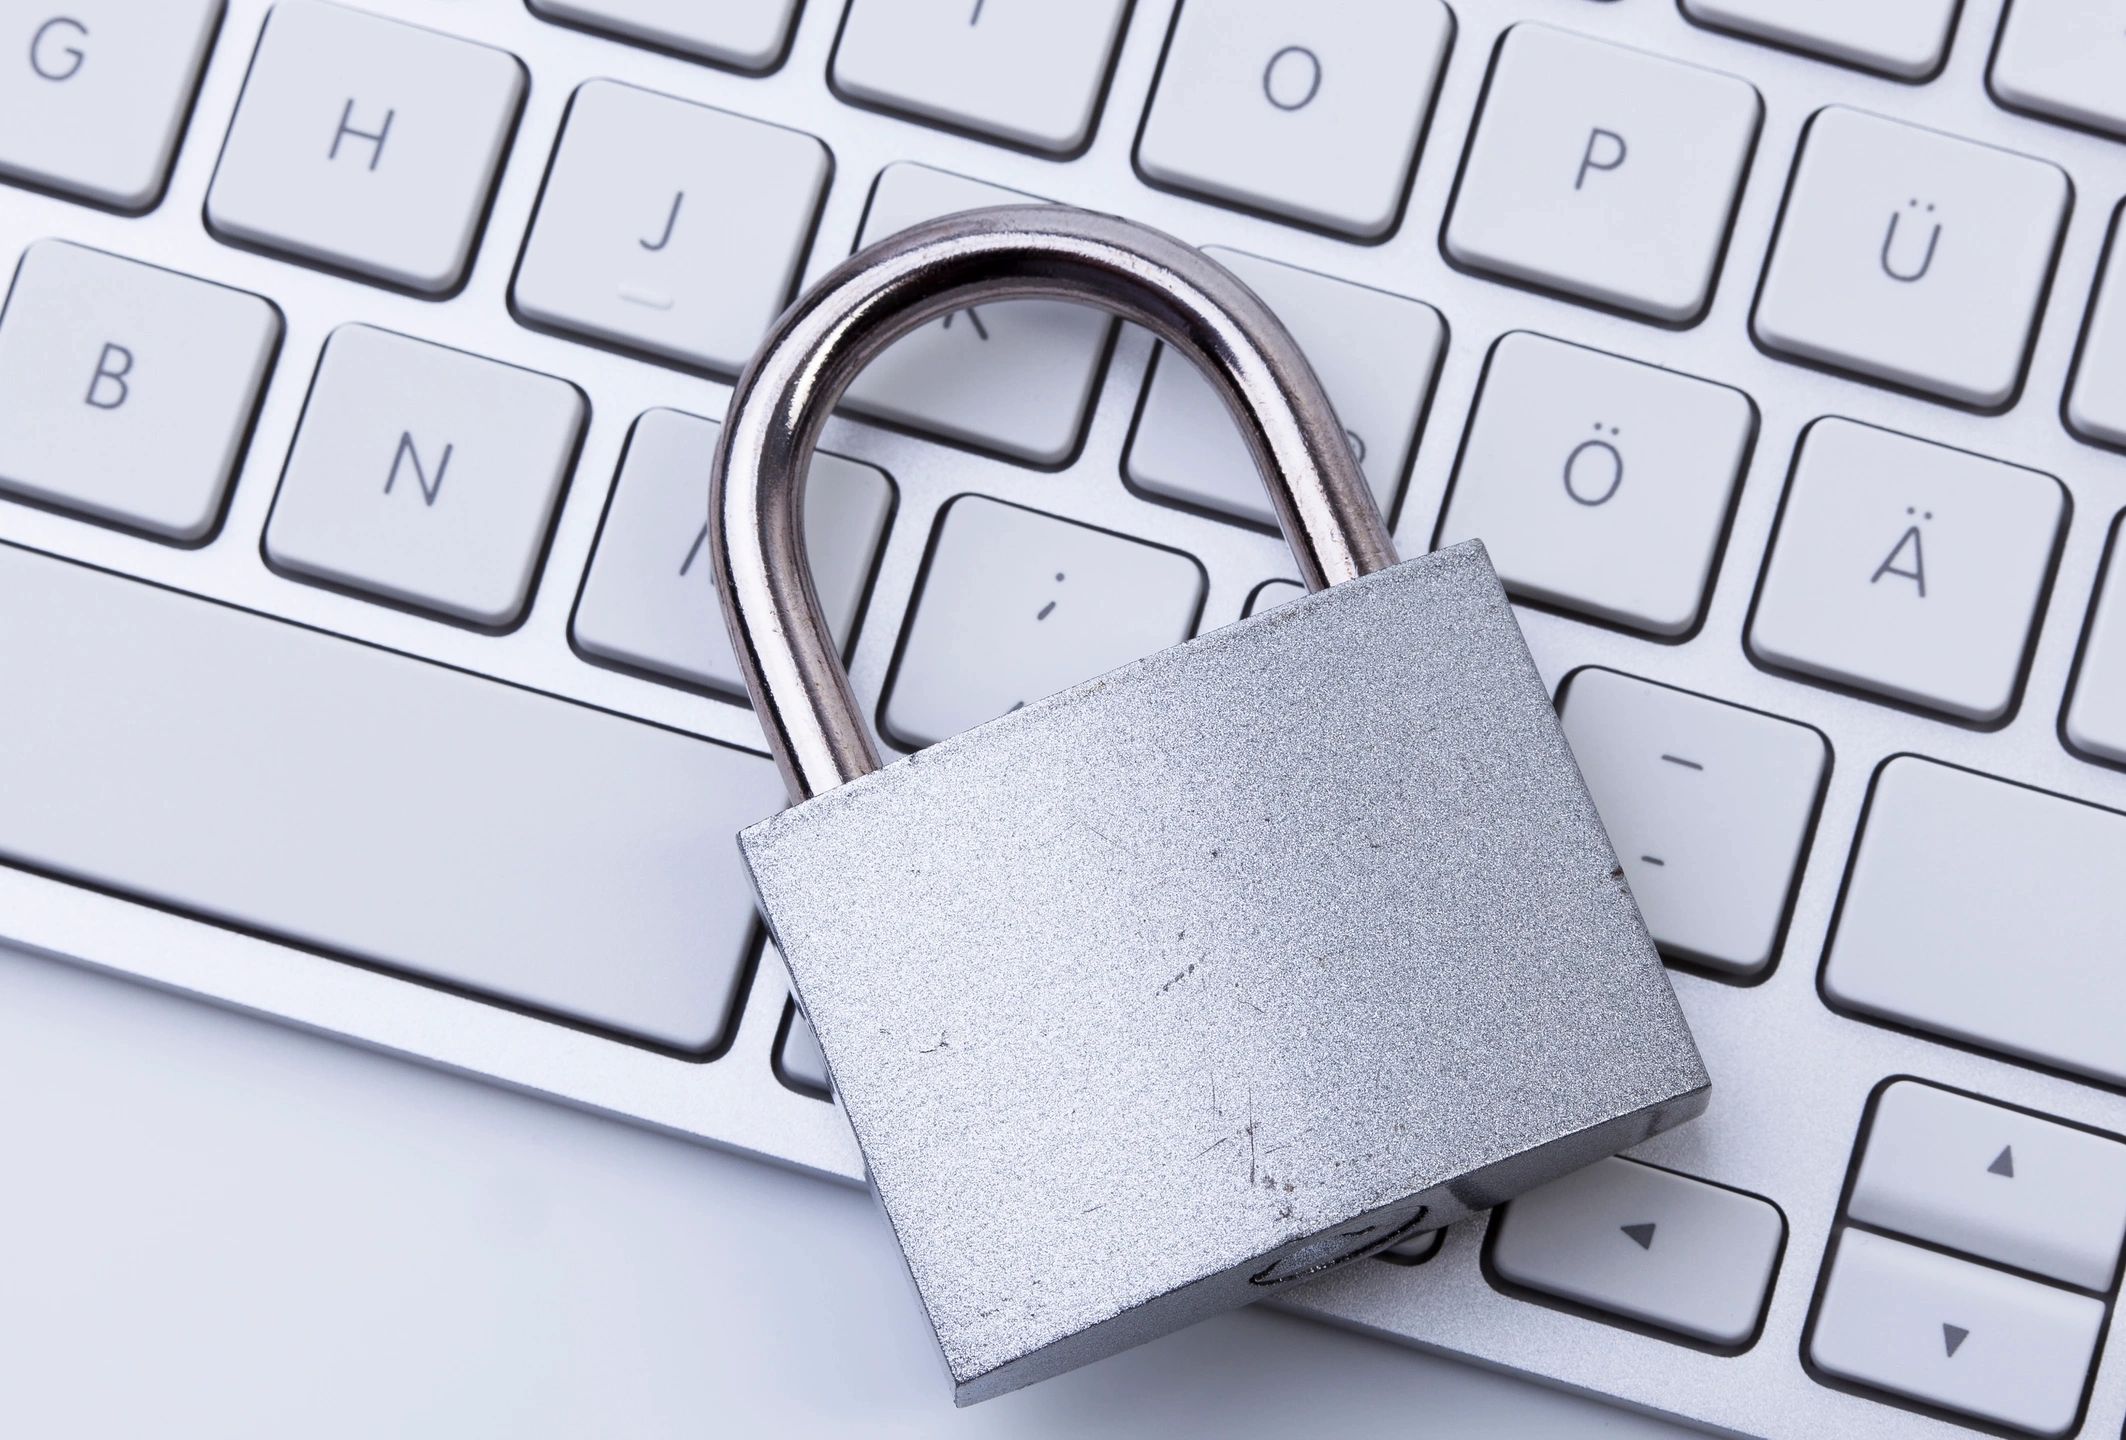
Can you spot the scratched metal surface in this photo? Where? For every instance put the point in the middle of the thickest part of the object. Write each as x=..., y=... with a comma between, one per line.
x=1791, y=1075
x=1304, y=921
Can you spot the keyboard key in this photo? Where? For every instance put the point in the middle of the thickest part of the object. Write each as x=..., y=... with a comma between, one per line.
x=1955, y=875
x=364, y=803
x=1708, y=806
x=2059, y=59
x=2096, y=713
x=1607, y=173
x=1376, y=355
x=1016, y=376
x=94, y=93
x=1946, y=1332
x=1600, y=484
x=366, y=145
x=1647, y=1244
x=1029, y=75
x=1912, y=257
x=1908, y=569
x=1016, y=605
x=650, y=601
x=798, y=1057
x=2096, y=400
x=1272, y=593
x=1904, y=38
x=633, y=243
x=127, y=392
x=801, y=1059
x=425, y=475
x=1997, y=1183
x=743, y=34
x=1313, y=115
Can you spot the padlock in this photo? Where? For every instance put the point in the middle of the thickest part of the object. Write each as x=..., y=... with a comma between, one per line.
x=1235, y=964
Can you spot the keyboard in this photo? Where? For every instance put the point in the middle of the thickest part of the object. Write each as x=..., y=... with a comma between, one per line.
x=360, y=667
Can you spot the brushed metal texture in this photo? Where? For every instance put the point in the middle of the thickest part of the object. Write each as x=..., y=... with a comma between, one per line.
x=1221, y=966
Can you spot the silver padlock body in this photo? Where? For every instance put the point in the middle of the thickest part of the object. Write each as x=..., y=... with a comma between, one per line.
x=1240, y=960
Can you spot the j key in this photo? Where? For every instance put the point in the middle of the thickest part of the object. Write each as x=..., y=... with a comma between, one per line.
x=1027, y=74
x=366, y=144
x=1909, y=569
x=1598, y=483
x=1603, y=172
x=1646, y=1244
x=1912, y=257
x=1955, y=873
x=743, y=34
x=1708, y=806
x=1015, y=377
x=2096, y=403
x=426, y=476
x=1994, y=1182
x=94, y=93
x=2096, y=715
x=371, y=805
x=1904, y=38
x=1017, y=605
x=1376, y=353
x=1313, y=114
x=649, y=600
x=127, y=392
x=1980, y=1342
x=2060, y=59
x=633, y=243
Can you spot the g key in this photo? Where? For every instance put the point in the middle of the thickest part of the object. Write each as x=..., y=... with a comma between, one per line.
x=93, y=94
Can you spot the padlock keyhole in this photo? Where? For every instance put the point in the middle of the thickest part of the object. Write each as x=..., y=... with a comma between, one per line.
x=1326, y=1252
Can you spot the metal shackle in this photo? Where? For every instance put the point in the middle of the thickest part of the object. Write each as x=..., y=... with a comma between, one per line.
x=790, y=659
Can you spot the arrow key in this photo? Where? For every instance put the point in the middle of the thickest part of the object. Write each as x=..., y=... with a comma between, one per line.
x=1944, y=1331
x=1648, y=1245
x=2000, y=1184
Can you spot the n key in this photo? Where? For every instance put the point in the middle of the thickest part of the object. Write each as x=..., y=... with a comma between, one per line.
x=425, y=476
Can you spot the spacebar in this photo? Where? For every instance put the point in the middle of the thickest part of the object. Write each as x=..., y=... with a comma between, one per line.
x=378, y=808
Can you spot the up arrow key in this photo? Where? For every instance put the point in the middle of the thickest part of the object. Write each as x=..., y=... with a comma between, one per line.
x=2003, y=1163
x=1953, y=1337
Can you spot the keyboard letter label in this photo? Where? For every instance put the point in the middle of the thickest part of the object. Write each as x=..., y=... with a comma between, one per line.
x=1907, y=559
x=1594, y=469
x=108, y=388
x=406, y=453
x=1605, y=151
x=1292, y=78
x=52, y=55
x=1899, y=262
x=671, y=223
x=374, y=137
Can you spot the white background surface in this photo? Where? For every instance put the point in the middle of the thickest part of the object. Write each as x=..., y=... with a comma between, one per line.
x=210, y=1225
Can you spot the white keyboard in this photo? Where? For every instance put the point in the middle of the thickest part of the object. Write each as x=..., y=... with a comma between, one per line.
x=359, y=663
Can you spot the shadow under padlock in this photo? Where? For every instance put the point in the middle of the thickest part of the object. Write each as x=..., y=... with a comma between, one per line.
x=1202, y=977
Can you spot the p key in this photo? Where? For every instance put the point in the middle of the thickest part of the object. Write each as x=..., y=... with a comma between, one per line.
x=1604, y=172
